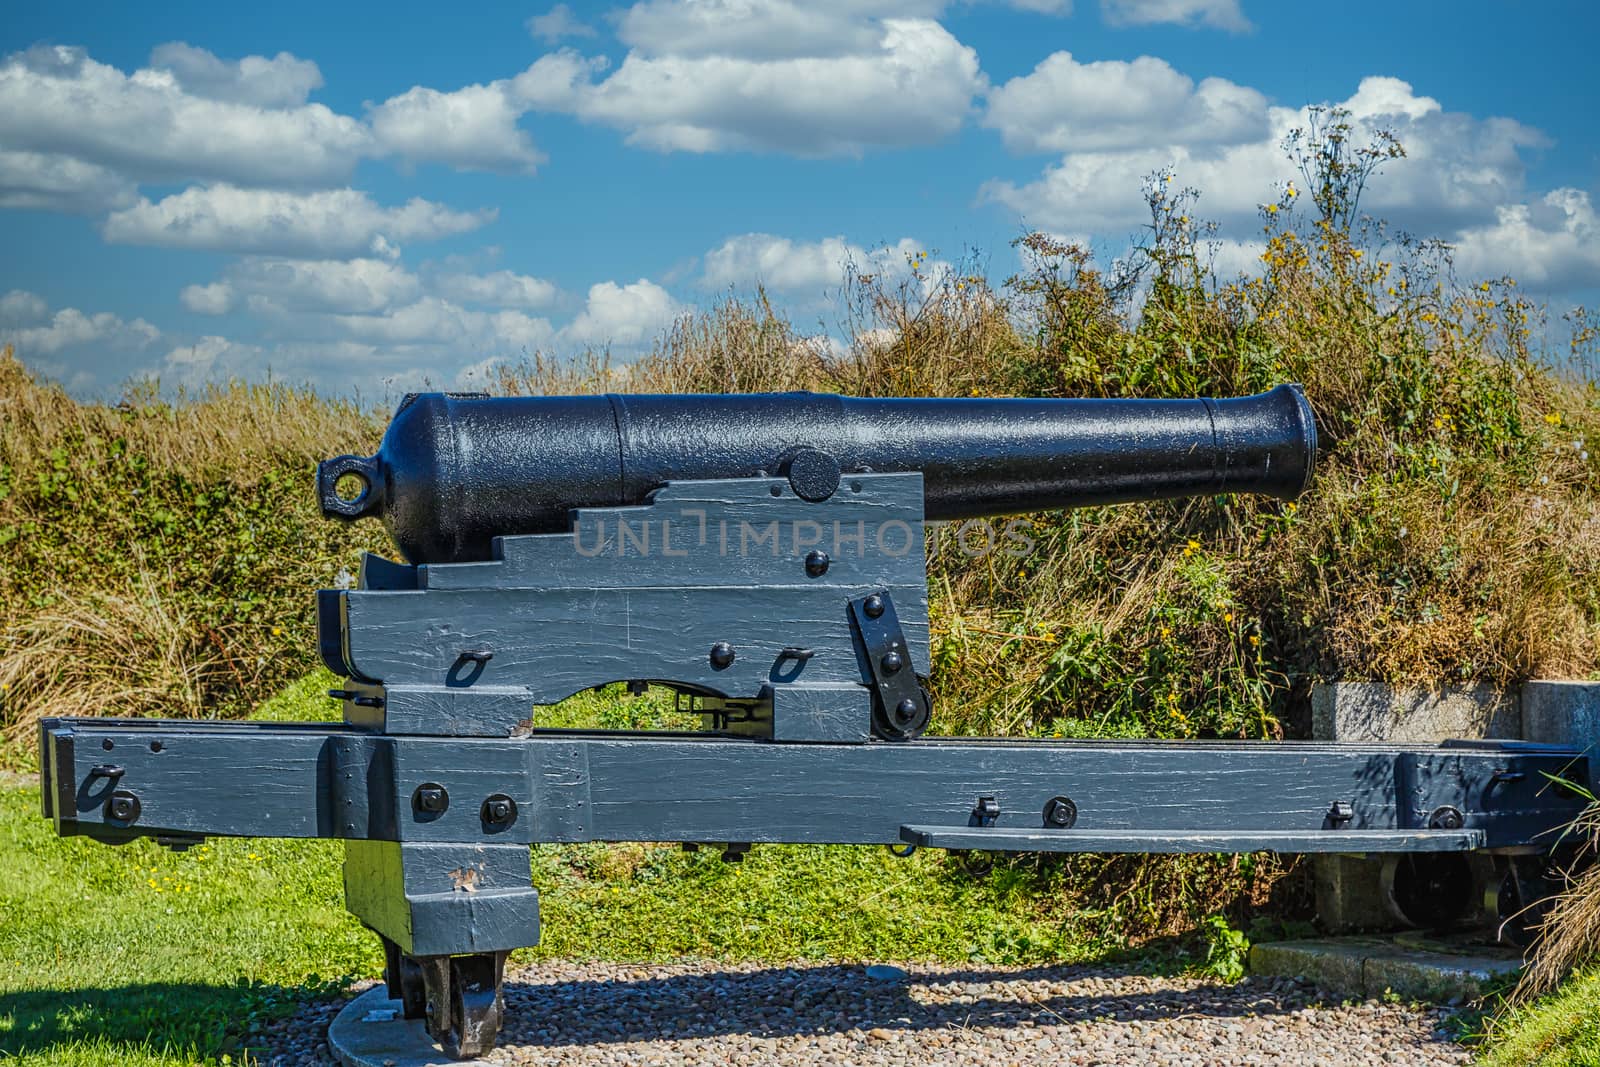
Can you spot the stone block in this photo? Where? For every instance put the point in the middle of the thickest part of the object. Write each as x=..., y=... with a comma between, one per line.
x=1351, y=894
x=1371, y=967
x=1375, y=712
x=1562, y=713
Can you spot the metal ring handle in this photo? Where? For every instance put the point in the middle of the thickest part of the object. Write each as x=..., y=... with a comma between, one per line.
x=329, y=471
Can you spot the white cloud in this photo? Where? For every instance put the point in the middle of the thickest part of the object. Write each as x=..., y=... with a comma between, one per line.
x=502, y=288
x=22, y=308
x=1219, y=14
x=1552, y=244
x=218, y=298
x=50, y=182
x=1458, y=169
x=1068, y=106
x=275, y=286
x=623, y=315
x=473, y=128
x=79, y=349
x=557, y=23
x=866, y=83
x=146, y=126
x=342, y=223
x=280, y=82
x=70, y=327
x=433, y=321
x=209, y=359
x=762, y=29
x=780, y=263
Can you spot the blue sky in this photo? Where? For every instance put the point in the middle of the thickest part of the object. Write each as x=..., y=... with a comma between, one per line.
x=386, y=195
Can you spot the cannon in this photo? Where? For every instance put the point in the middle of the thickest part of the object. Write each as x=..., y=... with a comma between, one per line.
x=454, y=472
x=763, y=558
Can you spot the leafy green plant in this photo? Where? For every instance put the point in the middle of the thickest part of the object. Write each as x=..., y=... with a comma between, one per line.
x=1227, y=949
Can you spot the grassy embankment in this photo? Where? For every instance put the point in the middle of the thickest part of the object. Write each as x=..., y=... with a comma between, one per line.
x=157, y=557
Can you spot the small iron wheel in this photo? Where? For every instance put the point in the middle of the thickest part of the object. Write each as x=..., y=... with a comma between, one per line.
x=464, y=1002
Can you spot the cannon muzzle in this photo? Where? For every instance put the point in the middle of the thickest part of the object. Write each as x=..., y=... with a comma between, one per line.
x=454, y=471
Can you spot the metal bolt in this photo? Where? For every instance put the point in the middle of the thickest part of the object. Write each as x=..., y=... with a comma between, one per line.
x=1341, y=812
x=499, y=810
x=122, y=806
x=873, y=606
x=1446, y=818
x=430, y=798
x=891, y=662
x=906, y=710
x=817, y=563
x=721, y=655
x=1060, y=812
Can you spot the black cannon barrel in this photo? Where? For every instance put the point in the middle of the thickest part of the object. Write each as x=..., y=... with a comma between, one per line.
x=455, y=471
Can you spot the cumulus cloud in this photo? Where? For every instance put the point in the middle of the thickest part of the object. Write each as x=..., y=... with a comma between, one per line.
x=761, y=29
x=50, y=182
x=438, y=322
x=1551, y=244
x=283, y=81
x=623, y=315
x=473, y=128
x=1218, y=14
x=22, y=308
x=210, y=358
x=56, y=101
x=1068, y=106
x=701, y=78
x=557, y=23
x=218, y=298
x=276, y=286
x=1458, y=169
x=77, y=348
x=780, y=263
x=501, y=288
x=70, y=328
x=336, y=223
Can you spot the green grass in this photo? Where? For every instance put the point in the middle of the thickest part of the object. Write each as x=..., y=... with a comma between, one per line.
x=1561, y=1030
x=136, y=955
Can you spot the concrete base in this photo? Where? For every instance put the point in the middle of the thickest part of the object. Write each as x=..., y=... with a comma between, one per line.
x=1351, y=895
x=369, y=1032
x=1415, y=969
x=1372, y=711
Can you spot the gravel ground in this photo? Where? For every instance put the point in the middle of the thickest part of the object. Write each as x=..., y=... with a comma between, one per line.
x=587, y=1013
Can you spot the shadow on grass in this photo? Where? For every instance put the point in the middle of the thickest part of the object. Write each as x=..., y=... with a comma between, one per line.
x=190, y=1020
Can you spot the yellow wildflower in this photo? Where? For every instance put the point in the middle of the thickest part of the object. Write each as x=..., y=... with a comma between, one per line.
x=1255, y=642
x=1228, y=617
x=1554, y=418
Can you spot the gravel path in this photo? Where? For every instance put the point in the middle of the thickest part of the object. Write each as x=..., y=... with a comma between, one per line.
x=586, y=1013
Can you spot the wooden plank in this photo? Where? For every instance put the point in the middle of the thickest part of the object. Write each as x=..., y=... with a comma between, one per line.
x=988, y=839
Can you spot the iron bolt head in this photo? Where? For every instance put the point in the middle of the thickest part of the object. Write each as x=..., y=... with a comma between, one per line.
x=1446, y=818
x=1341, y=812
x=721, y=655
x=431, y=798
x=873, y=606
x=1060, y=812
x=892, y=661
x=906, y=710
x=499, y=810
x=817, y=563
x=122, y=806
